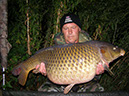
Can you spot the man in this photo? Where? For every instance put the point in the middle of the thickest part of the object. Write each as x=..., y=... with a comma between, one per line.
x=70, y=33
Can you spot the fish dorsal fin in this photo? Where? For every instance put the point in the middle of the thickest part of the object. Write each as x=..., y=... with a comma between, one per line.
x=68, y=88
x=49, y=49
x=44, y=49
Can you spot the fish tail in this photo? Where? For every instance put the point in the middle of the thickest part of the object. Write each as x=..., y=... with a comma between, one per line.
x=23, y=77
x=16, y=70
x=20, y=70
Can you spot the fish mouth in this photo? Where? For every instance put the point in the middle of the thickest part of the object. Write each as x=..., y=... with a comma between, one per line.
x=122, y=52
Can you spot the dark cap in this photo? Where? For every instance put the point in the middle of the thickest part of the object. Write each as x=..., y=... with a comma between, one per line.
x=70, y=18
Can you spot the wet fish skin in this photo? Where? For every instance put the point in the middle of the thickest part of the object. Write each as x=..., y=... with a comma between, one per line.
x=70, y=63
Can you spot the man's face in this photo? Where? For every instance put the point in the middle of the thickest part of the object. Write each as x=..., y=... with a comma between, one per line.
x=71, y=32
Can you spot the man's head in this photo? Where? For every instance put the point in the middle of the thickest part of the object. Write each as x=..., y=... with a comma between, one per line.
x=70, y=27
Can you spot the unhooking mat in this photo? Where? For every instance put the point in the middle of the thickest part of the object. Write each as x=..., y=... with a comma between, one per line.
x=37, y=93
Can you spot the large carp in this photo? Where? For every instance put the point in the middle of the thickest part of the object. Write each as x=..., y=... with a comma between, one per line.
x=70, y=63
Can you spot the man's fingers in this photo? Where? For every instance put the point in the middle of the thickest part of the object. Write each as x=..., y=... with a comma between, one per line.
x=37, y=66
x=100, y=69
x=42, y=69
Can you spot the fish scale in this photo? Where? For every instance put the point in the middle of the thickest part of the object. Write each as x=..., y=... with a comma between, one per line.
x=71, y=63
x=73, y=66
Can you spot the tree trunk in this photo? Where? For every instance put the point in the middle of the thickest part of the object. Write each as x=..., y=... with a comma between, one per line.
x=28, y=29
x=4, y=44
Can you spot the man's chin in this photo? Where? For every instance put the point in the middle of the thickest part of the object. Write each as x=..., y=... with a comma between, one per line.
x=71, y=41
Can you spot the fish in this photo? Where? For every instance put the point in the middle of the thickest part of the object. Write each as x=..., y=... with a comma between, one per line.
x=70, y=64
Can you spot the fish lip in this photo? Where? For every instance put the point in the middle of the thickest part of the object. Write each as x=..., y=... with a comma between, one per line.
x=122, y=52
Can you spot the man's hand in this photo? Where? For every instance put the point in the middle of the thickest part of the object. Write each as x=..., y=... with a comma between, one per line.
x=40, y=68
x=100, y=68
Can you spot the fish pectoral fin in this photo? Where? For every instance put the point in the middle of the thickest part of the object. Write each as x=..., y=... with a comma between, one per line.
x=109, y=71
x=23, y=77
x=68, y=88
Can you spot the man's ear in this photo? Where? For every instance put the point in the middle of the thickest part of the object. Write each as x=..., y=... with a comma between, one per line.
x=79, y=29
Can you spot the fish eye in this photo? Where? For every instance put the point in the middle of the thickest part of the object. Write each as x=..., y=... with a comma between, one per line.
x=114, y=48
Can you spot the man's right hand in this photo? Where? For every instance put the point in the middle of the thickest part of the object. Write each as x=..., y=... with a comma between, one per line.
x=40, y=69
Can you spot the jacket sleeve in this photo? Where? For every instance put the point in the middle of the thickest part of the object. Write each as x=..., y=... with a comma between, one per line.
x=84, y=36
x=59, y=38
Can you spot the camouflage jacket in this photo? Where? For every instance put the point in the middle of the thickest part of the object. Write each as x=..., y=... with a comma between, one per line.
x=83, y=36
